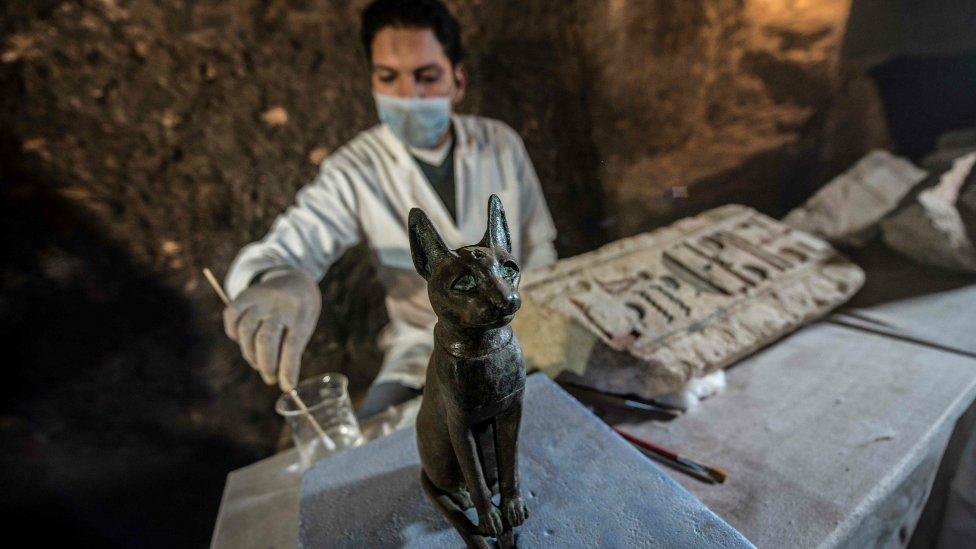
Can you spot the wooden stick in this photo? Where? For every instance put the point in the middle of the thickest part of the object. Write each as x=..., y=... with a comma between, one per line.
x=216, y=286
x=330, y=444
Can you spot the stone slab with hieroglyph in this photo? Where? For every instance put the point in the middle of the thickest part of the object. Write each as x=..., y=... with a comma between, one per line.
x=645, y=314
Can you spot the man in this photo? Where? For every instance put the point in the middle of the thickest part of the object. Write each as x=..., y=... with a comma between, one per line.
x=423, y=155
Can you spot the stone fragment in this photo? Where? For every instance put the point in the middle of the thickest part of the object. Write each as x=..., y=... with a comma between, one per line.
x=169, y=119
x=317, y=155
x=33, y=144
x=171, y=247
x=932, y=230
x=645, y=314
x=75, y=193
x=275, y=116
x=140, y=48
x=848, y=209
x=19, y=46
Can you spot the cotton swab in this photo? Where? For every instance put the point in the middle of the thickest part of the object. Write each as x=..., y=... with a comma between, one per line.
x=327, y=441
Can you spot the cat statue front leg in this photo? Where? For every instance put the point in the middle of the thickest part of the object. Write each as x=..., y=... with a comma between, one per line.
x=466, y=453
x=506, y=448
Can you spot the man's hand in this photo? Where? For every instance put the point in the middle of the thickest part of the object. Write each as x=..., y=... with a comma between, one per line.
x=273, y=321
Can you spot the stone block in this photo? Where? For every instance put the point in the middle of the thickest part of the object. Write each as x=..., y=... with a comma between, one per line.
x=584, y=485
x=645, y=314
x=849, y=207
x=936, y=229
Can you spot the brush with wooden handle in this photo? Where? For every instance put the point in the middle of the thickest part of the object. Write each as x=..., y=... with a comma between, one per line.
x=699, y=470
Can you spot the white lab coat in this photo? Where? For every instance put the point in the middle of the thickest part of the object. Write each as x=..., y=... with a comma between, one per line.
x=365, y=191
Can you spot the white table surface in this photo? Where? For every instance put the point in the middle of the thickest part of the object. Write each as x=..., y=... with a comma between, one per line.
x=831, y=436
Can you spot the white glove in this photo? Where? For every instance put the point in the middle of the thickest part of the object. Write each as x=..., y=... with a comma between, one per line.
x=273, y=321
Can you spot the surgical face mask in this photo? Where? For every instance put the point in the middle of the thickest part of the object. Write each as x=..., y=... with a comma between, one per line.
x=417, y=121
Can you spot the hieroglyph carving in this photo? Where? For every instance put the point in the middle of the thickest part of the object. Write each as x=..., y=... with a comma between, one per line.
x=645, y=314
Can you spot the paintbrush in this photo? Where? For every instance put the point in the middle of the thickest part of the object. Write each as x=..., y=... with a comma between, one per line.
x=600, y=397
x=327, y=441
x=669, y=456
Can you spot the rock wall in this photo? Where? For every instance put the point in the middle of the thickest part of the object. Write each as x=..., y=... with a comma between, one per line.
x=143, y=140
x=705, y=102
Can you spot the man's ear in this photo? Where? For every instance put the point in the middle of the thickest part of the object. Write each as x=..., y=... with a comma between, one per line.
x=496, y=236
x=426, y=246
x=460, y=83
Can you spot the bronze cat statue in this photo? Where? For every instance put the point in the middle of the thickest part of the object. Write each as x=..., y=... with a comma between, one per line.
x=468, y=424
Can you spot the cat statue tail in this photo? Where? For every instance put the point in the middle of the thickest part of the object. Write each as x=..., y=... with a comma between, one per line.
x=454, y=514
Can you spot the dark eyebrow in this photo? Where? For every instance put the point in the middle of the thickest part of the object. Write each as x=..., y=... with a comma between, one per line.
x=384, y=68
x=431, y=66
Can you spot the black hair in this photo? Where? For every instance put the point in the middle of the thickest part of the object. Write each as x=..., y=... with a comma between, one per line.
x=418, y=14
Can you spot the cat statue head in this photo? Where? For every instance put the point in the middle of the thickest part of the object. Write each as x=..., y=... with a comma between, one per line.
x=473, y=286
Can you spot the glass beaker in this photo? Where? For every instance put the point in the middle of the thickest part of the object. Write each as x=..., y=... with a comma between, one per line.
x=327, y=399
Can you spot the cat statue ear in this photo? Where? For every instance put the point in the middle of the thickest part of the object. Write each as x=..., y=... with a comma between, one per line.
x=426, y=246
x=496, y=236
